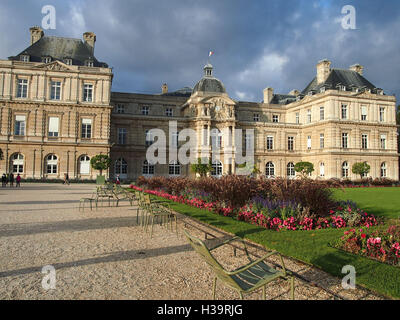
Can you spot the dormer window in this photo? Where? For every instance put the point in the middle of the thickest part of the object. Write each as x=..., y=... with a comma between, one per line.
x=310, y=93
x=46, y=59
x=322, y=90
x=24, y=58
x=68, y=62
x=379, y=92
x=342, y=88
x=89, y=63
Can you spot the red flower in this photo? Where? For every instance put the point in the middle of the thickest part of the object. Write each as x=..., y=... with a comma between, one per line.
x=363, y=236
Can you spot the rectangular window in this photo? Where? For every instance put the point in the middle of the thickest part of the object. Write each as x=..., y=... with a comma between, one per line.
x=364, y=141
x=55, y=90
x=22, y=88
x=86, y=128
x=381, y=114
x=383, y=141
x=297, y=118
x=344, y=111
x=174, y=139
x=122, y=134
x=20, y=125
x=275, y=118
x=149, y=138
x=88, y=92
x=256, y=117
x=270, y=143
x=145, y=110
x=25, y=58
x=169, y=112
x=345, y=140
x=322, y=141
x=120, y=108
x=322, y=169
x=309, y=142
x=321, y=113
x=290, y=143
x=363, y=113
x=53, y=126
x=309, y=116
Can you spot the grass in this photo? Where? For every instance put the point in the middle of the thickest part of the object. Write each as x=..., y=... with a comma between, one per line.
x=311, y=247
x=383, y=202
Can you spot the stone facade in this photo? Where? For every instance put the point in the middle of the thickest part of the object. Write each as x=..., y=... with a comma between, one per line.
x=57, y=111
x=314, y=121
x=43, y=113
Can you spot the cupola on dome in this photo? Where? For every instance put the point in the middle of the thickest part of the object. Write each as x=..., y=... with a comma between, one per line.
x=209, y=83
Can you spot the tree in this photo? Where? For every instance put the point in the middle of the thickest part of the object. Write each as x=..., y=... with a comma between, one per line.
x=201, y=168
x=100, y=162
x=361, y=168
x=304, y=168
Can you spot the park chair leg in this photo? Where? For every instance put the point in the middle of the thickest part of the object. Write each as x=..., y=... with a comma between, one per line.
x=214, y=287
x=241, y=295
x=152, y=226
x=292, y=287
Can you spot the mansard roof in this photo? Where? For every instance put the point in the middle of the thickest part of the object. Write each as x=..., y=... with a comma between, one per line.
x=350, y=79
x=59, y=48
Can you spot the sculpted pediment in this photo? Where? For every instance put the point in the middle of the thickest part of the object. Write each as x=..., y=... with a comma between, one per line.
x=54, y=66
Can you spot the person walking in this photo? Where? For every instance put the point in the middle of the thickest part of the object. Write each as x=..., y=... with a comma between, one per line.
x=11, y=179
x=118, y=181
x=18, y=180
x=4, y=180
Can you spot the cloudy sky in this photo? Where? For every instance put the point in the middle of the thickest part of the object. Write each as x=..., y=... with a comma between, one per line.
x=257, y=43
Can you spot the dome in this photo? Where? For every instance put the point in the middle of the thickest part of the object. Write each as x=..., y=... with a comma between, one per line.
x=209, y=83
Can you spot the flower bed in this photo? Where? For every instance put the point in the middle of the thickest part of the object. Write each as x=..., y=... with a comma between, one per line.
x=276, y=214
x=381, y=245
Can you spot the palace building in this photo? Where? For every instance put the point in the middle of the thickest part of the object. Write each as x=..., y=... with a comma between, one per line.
x=57, y=111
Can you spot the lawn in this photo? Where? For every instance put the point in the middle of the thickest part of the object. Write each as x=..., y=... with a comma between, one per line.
x=383, y=202
x=313, y=246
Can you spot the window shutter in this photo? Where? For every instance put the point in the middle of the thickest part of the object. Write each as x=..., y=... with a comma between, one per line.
x=53, y=124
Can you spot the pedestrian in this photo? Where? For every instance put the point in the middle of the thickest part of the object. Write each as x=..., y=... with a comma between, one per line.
x=11, y=179
x=4, y=180
x=18, y=179
x=118, y=181
x=67, y=178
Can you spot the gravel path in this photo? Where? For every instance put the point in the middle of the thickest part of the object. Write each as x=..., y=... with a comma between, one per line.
x=104, y=254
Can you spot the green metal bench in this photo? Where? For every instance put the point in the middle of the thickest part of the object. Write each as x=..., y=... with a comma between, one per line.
x=255, y=275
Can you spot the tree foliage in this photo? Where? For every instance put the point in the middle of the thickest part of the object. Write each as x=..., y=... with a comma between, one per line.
x=100, y=162
x=361, y=168
x=304, y=168
x=201, y=168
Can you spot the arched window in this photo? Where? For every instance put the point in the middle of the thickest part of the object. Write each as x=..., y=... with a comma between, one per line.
x=216, y=169
x=121, y=168
x=17, y=163
x=148, y=169
x=84, y=164
x=174, y=168
x=383, y=170
x=290, y=170
x=270, y=170
x=52, y=164
x=322, y=169
x=345, y=169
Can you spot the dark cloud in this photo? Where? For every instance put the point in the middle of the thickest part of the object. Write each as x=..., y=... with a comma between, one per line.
x=257, y=43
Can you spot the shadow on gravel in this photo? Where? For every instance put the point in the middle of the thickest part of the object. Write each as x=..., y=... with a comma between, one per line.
x=109, y=258
x=71, y=225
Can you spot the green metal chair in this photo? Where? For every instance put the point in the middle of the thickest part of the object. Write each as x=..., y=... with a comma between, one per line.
x=254, y=275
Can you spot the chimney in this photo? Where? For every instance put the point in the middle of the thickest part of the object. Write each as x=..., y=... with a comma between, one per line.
x=357, y=68
x=36, y=34
x=268, y=93
x=164, y=88
x=90, y=39
x=294, y=92
x=323, y=70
